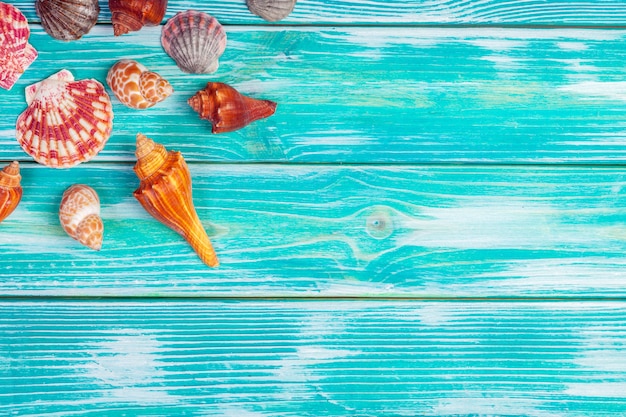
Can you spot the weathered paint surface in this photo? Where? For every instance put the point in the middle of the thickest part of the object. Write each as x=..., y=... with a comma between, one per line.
x=431, y=224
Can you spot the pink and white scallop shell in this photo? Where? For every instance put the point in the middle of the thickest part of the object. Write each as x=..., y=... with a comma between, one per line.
x=66, y=122
x=16, y=54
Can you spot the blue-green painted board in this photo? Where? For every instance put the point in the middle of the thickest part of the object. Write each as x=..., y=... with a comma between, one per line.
x=372, y=95
x=277, y=358
x=327, y=230
x=406, y=12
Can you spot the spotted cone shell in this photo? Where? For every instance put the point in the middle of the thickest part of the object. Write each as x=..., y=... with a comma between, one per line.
x=67, y=20
x=79, y=214
x=271, y=10
x=165, y=192
x=66, y=122
x=132, y=15
x=16, y=54
x=195, y=40
x=227, y=109
x=10, y=189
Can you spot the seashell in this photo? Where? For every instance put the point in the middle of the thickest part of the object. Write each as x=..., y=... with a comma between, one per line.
x=195, y=40
x=16, y=54
x=10, y=189
x=165, y=192
x=66, y=122
x=79, y=214
x=271, y=10
x=227, y=109
x=132, y=15
x=67, y=20
x=135, y=86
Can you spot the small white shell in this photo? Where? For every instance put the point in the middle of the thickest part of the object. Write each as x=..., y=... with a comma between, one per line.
x=195, y=40
x=66, y=122
x=79, y=214
x=271, y=10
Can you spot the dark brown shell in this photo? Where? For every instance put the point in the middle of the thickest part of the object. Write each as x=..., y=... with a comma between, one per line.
x=67, y=20
x=227, y=109
x=132, y=15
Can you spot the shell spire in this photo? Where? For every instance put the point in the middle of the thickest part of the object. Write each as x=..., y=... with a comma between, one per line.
x=79, y=214
x=227, y=109
x=165, y=192
x=132, y=15
x=16, y=54
x=135, y=86
x=10, y=189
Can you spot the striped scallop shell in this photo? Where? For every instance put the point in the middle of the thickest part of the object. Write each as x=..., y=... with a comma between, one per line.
x=271, y=10
x=195, y=40
x=16, y=54
x=135, y=86
x=67, y=20
x=79, y=214
x=66, y=122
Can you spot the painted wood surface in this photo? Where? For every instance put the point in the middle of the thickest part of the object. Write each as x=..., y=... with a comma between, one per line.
x=367, y=95
x=312, y=358
x=406, y=12
x=453, y=231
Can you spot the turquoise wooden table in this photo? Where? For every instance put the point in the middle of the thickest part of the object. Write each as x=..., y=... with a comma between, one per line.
x=432, y=223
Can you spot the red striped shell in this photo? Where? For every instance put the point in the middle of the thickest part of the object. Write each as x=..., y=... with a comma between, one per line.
x=16, y=54
x=66, y=122
x=195, y=40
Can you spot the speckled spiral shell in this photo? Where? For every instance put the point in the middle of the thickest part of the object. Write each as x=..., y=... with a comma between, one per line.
x=132, y=15
x=135, y=86
x=16, y=54
x=10, y=189
x=195, y=40
x=271, y=10
x=67, y=20
x=227, y=109
x=79, y=214
x=66, y=122
x=165, y=192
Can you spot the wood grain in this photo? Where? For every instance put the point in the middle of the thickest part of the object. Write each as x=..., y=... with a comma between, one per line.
x=371, y=95
x=312, y=358
x=365, y=231
x=406, y=12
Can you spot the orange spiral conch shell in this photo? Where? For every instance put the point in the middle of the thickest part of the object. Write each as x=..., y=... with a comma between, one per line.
x=16, y=54
x=79, y=215
x=10, y=189
x=165, y=192
x=227, y=109
x=135, y=86
x=132, y=15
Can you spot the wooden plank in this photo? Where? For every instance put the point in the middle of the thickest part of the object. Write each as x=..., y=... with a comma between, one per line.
x=312, y=358
x=333, y=231
x=367, y=95
x=406, y=12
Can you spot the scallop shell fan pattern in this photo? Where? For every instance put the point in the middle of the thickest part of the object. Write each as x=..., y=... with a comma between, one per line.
x=16, y=54
x=66, y=122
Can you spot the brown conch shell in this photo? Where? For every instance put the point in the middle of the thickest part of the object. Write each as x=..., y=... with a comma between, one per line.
x=195, y=41
x=227, y=109
x=66, y=122
x=10, y=189
x=67, y=20
x=132, y=15
x=271, y=10
x=165, y=192
x=16, y=54
x=79, y=214
x=135, y=86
